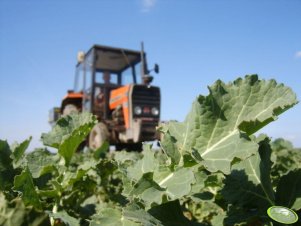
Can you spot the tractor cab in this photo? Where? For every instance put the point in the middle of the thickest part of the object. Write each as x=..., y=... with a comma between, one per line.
x=101, y=70
x=126, y=105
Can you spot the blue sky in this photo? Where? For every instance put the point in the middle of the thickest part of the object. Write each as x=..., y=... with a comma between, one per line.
x=195, y=43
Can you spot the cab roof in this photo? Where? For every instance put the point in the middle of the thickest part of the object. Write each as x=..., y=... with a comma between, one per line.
x=113, y=59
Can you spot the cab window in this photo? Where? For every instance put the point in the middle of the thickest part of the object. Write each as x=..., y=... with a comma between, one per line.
x=100, y=78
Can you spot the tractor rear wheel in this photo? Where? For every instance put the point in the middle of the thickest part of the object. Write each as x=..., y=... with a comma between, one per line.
x=98, y=135
x=69, y=108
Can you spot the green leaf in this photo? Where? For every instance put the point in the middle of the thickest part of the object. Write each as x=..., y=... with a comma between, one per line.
x=40, y=162
x=218, y=125
x=199, y=185
x=168, y=144
x=79, y=179
x=14, y=213
x=152, y=180
x=286, y=158
x=11, y=215
x=280, y=144
x=244, y=217
x=146, y=190
x=135, y=213
x=122, y=157
x=288, y=192
x=68, y=133
x=18, y=151
x=49, y=193
x=207, y=187
x=207, y=211
x=215, y=180
x=6, y=167
x=71, y=178
x=145, y=165
x=65, y=217
x=177, y=183
x=250, y=183
x=111, y=217
x=218, y=220
x=170, y=214
x=24, y=185
x=155, y=188
x=102, y=150
x=5, y=160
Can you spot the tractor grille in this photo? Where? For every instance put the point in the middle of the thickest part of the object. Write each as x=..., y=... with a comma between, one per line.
x=146, y=98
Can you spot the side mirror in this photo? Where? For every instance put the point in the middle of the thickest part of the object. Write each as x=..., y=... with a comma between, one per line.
x=156, y=68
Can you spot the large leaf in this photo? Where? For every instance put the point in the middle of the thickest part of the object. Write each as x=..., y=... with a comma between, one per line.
x=111, y=217
x=280, y=144
x=241, y=217
x=23, y=184
x=151, y=181
x=122, y=157
x=207, y=187
x=18, y=151
x=289, y=190
x=168, y=144
x=68, y=133
x=207, y=211
x=171, y=214
x=248, y=188
x=218, y=125
x=40, y=162
x=250, y=183
x=102, y=150
x=81, y=173
x=129, y=216
x=5, y=160
x=146, y=190
x=6, y=167
x=65, y=217
x=168, y=214
x=145, y=165
x=11, y=216
x=16, y=214
x=286, y=158
x=155, y=188
x=177, y=183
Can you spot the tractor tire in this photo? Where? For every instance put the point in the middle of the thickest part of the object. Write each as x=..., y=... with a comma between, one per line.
x=98, y=135
x=69, y=108
x=129, y=147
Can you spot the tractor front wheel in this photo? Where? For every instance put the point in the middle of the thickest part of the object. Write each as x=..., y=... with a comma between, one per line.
x=69, y=108
x=129, y=147
x=98, y=135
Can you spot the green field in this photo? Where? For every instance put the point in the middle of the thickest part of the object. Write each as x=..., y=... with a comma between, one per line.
x=210, y=169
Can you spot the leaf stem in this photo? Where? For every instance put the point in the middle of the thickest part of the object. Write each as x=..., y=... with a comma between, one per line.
x=54, y=210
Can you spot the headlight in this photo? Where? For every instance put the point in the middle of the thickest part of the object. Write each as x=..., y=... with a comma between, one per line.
x=137, y=110
x=155, y=111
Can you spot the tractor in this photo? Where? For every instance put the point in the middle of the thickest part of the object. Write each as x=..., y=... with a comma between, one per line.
x=106, y=84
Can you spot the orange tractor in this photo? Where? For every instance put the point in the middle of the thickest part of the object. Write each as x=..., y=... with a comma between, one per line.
x=106, y=84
